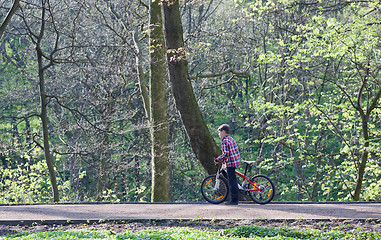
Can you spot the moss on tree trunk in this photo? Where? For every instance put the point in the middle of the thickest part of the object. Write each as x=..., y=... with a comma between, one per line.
x=201, y=140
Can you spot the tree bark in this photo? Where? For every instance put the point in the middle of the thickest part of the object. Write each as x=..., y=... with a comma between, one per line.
x=142, y=84
x=45, y=130
x=10, y=14
x=365, y=115
x=364, y=160
x=201, y=140
x=44, y=112
x=158, y=108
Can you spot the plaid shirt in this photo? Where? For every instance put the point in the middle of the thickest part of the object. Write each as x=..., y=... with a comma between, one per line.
x=230, y=153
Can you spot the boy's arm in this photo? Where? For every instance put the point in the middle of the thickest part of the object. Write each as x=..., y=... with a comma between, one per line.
x=225, y=152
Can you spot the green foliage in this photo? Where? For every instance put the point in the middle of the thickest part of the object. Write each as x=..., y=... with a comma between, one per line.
x=241, y=232
x=297, y=110
x=254, y=232
x=309, y=113
x=28, y=183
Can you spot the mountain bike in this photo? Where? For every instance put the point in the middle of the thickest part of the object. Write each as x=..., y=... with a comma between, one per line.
x=260, y=188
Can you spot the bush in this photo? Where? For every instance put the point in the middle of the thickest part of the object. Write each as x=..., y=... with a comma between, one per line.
x=28, y=183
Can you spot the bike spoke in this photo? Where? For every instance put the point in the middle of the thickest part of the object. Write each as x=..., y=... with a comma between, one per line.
x=262, y=189
x=214, y=190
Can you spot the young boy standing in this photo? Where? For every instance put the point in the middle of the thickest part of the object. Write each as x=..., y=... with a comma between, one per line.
x=230, y=156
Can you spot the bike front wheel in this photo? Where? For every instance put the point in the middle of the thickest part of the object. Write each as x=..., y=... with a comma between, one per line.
x=264, y=189
x=214, y=190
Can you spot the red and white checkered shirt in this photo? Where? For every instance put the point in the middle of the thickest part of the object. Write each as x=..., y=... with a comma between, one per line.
x=230, y=152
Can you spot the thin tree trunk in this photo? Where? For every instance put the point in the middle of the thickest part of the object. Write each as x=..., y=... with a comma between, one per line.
x=10, y=14
x=201, y=140
x=101, y=178
x=44, y=121
x=364, y=160
x=142, y=84
x=158, y=108
x=365, y=115
x=44, y=112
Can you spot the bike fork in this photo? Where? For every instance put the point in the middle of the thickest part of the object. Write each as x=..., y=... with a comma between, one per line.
x=217, y=185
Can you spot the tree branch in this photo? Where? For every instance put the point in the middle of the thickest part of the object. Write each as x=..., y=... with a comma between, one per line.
x=79, y=113
x=211, y=75
x=10, y=14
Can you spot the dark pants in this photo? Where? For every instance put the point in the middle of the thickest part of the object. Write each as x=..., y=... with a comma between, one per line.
x=233, y=184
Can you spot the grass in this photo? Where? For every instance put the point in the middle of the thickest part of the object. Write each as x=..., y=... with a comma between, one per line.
x=241, y=232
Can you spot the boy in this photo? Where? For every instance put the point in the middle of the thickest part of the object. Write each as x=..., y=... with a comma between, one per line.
x=230, y=156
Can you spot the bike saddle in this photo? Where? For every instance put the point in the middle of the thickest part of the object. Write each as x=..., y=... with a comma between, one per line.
x=249, y=162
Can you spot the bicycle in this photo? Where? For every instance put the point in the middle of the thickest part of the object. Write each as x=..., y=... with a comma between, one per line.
x=260, y=188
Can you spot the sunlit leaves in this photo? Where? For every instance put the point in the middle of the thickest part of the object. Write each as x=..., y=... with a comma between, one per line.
x=315, y=68
x=27, y=183
x=243, y=232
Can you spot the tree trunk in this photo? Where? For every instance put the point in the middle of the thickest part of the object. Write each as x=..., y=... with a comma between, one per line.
x=158, y=108
x=142, y=84
x=10, y=14
x=364, y=160
x=365, y=115
x=44, y=104
x=44, y=121
x=201, y=140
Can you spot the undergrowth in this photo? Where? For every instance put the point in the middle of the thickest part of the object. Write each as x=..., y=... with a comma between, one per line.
x=241, y=232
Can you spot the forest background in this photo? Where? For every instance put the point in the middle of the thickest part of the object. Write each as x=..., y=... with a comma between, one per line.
x=297, y=81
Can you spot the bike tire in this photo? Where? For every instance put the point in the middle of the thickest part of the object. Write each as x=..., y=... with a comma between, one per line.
x=266, y=192
x=211, y=194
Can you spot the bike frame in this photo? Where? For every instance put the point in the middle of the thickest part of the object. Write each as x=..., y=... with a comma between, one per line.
x=245, y=178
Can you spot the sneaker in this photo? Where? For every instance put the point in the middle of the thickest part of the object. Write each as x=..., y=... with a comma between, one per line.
x=231, y=203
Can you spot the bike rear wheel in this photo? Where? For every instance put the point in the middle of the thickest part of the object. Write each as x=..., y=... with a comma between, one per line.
x=265, y=189
x=213, y=191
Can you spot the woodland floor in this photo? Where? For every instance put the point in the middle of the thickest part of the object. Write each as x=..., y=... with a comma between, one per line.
x=324, y=225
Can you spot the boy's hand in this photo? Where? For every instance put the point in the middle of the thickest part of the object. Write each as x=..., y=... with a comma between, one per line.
x=215, y=162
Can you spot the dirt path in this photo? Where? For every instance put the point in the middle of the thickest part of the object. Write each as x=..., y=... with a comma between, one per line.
x=131, y=211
